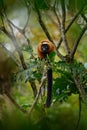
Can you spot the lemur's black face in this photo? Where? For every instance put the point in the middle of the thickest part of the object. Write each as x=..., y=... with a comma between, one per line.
x=45, y=48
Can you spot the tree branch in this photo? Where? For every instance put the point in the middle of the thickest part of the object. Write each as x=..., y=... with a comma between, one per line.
x=6, y=86
x=42, y=23
x=84, y=17
x=46, y=31
x=80, y=89
x=70, y=24
x=22, y=31
x=13, y=39
x=15, y=103
x=10, y=54
x=63, y=26
x=77, y=41
x=55, y=13
x=43, y=80
x=28, y=12
x=73, y=19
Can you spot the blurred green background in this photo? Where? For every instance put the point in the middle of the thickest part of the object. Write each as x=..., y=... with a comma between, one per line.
x=64, y=111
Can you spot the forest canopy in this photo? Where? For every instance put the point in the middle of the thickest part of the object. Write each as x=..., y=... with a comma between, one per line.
x=23, y=76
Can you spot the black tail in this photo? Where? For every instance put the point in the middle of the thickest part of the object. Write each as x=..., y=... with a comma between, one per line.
x=49, y=87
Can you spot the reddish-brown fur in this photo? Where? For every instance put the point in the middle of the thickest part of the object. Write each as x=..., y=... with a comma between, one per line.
x=39, y=50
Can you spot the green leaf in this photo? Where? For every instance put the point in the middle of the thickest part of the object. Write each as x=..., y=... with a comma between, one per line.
x=51, y=56
x=75, y=5
x=42, y=4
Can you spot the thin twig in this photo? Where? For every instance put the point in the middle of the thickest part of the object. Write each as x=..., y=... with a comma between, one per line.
x=12, y=37
x=32, y=83
x=19, y=29
x=1, y=15
x=6, y=86
x=67, y=28
x=15, y=103
x=73, y=19
x=46, y=31
x=22, y=31
x=28, y=13
x=43, y=80
x=78, y=41
x=84, y=17
x=52, y=19
x=63, y=26
x=59, y=54
x=55, y=13
x=42, y=23
x=80, y=88
x=59, y=23
x=11, y=55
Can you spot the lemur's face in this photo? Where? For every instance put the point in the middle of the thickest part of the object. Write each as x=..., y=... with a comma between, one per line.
x=45, y=48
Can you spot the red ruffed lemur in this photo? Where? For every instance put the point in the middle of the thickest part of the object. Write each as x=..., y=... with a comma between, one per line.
x=44, y=48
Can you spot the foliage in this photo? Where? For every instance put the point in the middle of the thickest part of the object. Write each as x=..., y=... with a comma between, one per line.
x=53, y=118
x=23, y=76
x=64, y=84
